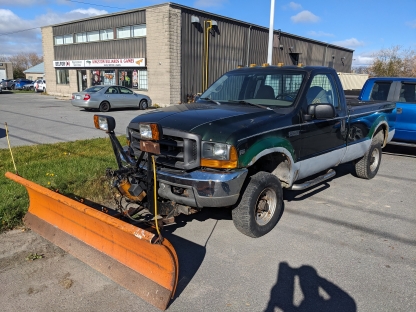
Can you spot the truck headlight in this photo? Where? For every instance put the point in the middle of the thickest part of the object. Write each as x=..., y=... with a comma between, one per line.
x=219, y=155
x=150, y=131
x=105, y=123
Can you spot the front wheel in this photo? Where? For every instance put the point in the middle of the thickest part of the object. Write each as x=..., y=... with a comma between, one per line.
x=143, y=104
x=260, y=207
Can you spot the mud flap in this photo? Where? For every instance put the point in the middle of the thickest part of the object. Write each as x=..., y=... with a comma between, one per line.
x=121, y=251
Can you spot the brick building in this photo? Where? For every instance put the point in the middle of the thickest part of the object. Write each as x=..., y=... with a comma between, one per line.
x=168, y=51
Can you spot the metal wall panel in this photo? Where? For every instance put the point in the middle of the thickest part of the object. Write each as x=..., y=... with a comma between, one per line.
x=104, y=22
x=227, y=50
x=122, y=48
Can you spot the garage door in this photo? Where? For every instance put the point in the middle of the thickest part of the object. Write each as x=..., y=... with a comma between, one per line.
x=2, y=74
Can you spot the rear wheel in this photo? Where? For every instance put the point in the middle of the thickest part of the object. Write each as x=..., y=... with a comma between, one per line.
x=367, y=166
x=104, y=106
x=260, y=206
x=143, y=104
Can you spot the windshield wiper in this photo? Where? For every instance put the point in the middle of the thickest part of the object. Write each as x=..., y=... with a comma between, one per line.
x=211, y=100
x=245, y=102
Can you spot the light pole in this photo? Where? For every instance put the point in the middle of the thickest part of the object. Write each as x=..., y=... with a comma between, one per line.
x=270, y=50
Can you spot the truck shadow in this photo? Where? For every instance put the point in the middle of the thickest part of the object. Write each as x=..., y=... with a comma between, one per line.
x=318, y=293
x=396, y=150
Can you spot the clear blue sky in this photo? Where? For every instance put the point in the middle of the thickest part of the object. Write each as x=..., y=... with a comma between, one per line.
x=365, y=26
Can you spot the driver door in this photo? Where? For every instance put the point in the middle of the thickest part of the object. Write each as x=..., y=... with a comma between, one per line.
x=323, y=141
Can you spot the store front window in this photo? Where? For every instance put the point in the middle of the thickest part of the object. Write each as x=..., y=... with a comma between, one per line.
x=62, y=76
x=103, y=77
x=109, y=77
x=133, y=78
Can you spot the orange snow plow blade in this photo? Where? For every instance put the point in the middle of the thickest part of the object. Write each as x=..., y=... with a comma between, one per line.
x=121, y=251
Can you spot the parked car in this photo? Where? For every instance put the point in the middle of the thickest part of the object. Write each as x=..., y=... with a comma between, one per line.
x=40, y=85
x=105, y=98
x=20, y=83
x=7, y=84
x=29, y=86
x=403, y=92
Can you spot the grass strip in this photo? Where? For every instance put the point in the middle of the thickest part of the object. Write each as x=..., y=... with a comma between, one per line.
x=74, y=168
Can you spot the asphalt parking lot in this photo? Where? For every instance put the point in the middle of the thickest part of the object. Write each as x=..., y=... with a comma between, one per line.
x=345, y=245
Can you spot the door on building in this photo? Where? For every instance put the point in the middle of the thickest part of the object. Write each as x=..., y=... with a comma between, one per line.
x=82, y=80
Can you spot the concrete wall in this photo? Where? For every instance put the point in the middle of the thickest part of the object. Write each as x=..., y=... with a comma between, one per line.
x=163, y=54
x=52, y=87
x=34, y=76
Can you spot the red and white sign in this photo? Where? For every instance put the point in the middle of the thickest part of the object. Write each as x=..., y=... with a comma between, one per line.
x=73, y=63
x=95, y=63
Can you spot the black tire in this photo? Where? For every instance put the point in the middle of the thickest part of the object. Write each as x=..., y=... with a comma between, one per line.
x=143, y=104
x=104, y=106
x=44, y=90
x=12, y=87
x=367, y=166
x=255, y=215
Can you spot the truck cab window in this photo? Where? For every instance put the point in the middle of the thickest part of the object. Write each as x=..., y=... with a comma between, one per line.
x=380, y=91
x=408, y=93
x=322, y=90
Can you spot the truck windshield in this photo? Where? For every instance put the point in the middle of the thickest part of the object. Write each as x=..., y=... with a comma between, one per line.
x=264, y=88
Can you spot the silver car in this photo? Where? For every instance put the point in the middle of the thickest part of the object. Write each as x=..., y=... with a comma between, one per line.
x=105, y=98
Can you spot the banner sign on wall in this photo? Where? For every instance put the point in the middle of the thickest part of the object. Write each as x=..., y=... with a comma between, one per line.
x=128, y=62
x=77, y=63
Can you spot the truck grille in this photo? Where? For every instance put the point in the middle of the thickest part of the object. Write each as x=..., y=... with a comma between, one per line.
x=178, y=149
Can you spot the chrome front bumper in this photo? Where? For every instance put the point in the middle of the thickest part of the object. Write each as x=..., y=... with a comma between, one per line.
x=202, y=188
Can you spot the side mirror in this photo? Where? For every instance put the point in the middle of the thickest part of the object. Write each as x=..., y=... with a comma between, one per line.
x=321, y=111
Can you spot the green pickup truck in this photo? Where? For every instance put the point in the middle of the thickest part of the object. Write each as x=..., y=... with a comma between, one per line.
x=252, y=133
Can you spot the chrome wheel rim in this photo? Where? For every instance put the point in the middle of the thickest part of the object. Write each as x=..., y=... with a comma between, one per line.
x=265, y=206
x=375, y=157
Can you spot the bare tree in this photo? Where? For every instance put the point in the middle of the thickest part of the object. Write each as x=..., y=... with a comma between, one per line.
x=393, y=62
x=23, y=61
x=360, y=69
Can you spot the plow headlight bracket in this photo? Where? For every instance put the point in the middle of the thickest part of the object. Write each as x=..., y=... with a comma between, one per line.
x=150, y=131
x=105, y=123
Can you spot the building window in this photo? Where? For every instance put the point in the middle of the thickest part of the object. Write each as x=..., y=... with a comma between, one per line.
x=133, y=78
x=123, y=32
x=81, y=37
x=139, y=30
x=68, y=39
x=93, y=36
x=59, y=40
x=106, y=34
x=62, y=76
x=131, y=31
x=142, y=81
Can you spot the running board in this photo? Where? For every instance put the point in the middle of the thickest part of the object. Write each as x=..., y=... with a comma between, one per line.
x=401, y=144
x=299, y=187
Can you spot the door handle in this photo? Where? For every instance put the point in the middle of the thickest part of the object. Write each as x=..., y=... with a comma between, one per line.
x=399, y=110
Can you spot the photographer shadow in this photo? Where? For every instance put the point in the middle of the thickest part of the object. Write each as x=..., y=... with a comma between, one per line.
x=319, y=294
x=2, y=133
